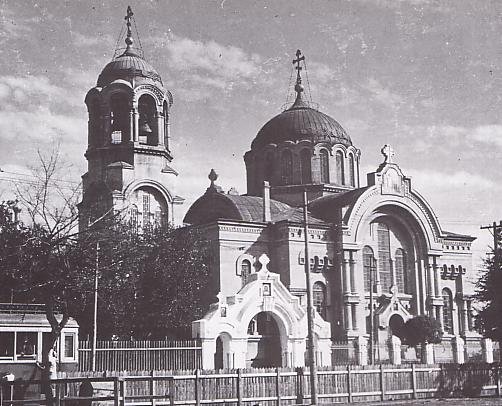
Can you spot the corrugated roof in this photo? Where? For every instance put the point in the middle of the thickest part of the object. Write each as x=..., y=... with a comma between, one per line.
x=125, y=67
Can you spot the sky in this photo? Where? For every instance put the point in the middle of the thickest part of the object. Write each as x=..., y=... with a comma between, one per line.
x=422, y=75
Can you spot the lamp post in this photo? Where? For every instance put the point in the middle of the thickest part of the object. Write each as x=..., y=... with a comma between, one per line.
x=310, y=314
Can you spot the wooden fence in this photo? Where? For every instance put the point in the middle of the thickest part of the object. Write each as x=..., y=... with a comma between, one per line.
x=141, y=355
x=291, y=386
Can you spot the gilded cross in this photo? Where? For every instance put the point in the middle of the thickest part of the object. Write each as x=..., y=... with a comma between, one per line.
x=388, y=153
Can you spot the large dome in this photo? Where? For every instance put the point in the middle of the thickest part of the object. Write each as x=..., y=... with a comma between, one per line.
x=301, y=122
x=127, y=66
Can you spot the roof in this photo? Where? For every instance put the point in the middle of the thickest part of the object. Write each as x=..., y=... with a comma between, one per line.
x=301, y=122
x=127, y=66
x=214, y=205
x=339, y=200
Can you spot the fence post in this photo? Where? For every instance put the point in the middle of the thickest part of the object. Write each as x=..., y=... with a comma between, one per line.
x=239, y=387
x=171, y=391
x=349, y=385
x=413, y=381
x=122, y=386
x=278, y=385
x=497, y=377
x=382, y=382
x=116, y=393
x=197, y=387
x=58, y=392
x=299, y=385
x=152, y=388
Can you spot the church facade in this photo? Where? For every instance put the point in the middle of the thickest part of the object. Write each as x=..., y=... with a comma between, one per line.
x=376, y=251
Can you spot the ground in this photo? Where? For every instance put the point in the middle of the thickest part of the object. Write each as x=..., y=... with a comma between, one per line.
x=434, y=402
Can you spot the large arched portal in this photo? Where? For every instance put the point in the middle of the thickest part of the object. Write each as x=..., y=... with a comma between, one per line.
x=264, y=342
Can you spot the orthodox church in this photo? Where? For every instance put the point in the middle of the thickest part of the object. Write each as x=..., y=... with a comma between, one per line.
x=376, y=251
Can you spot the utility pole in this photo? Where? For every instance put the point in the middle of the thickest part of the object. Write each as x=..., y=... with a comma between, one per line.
x=372, y=316
x=497, y=237
x=95, y=319
x=310, y=313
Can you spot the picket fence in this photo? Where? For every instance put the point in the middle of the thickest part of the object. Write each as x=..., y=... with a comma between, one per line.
x=290, y=386
x=141, y=355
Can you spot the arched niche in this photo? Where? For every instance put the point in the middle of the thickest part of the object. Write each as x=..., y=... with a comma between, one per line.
x=119, y=105
x=148, y=130
x=147, y=208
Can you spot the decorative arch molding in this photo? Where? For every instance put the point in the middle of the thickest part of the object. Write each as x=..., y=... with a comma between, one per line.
x=135, y=185
x=322, y=146
x=372, y=201
x=158, y=95
x=240, y=260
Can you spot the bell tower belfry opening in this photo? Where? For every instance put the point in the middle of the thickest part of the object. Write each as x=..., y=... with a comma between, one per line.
x=128, y=152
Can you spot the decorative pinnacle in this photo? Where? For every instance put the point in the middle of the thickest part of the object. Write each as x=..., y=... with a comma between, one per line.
x=129, y=41
x=299, y=58
x=388, y=153
x=213, y=176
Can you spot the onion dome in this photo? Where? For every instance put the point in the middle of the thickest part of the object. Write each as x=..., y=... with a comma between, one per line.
x=129, y=65
x=301, y=122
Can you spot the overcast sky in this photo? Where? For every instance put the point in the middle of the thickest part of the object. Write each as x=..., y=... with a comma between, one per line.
x=424, y=76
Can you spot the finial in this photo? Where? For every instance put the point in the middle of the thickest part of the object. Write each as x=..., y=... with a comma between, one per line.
x=213, y=176
x=388, y=153
x=299, y=58
x=129, y=40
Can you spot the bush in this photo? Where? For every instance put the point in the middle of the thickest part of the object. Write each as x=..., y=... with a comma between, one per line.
x=422, y=330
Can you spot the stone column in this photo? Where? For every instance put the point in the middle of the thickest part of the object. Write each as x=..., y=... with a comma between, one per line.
x=392, y=273
x=418, y=302
x=160, y=129
x=136, y=125
x=437, y=277
x=131, y=125
x=487, y=348
x=465, y=318
x=362, y=350
x=458, y=350
x=346, y=272
x=394, y=344
x=208, y=351
x=352, y=269
x=348, y=316
x=441, y=318
x=427, y=353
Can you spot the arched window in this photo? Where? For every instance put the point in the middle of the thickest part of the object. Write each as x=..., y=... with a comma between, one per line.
x=447, y=311
x=324, y=162
x=384, y=270
x=286, y=167
x=148, y=133
x=119, y=115
x=245, y=271
x=368, y=262
x=352, y=177
x=305, y=171
x=400, y=270
x=340, y=170
x=319, y=298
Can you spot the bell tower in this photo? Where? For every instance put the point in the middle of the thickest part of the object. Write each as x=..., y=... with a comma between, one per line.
x=128, y=152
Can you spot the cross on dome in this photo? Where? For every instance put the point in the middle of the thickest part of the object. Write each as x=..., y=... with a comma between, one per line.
x=388, y=153
x=299, y=58
x=128, y=17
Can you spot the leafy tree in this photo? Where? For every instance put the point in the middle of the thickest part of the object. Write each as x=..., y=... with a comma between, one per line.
x=489, y=320
x=422, y=330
